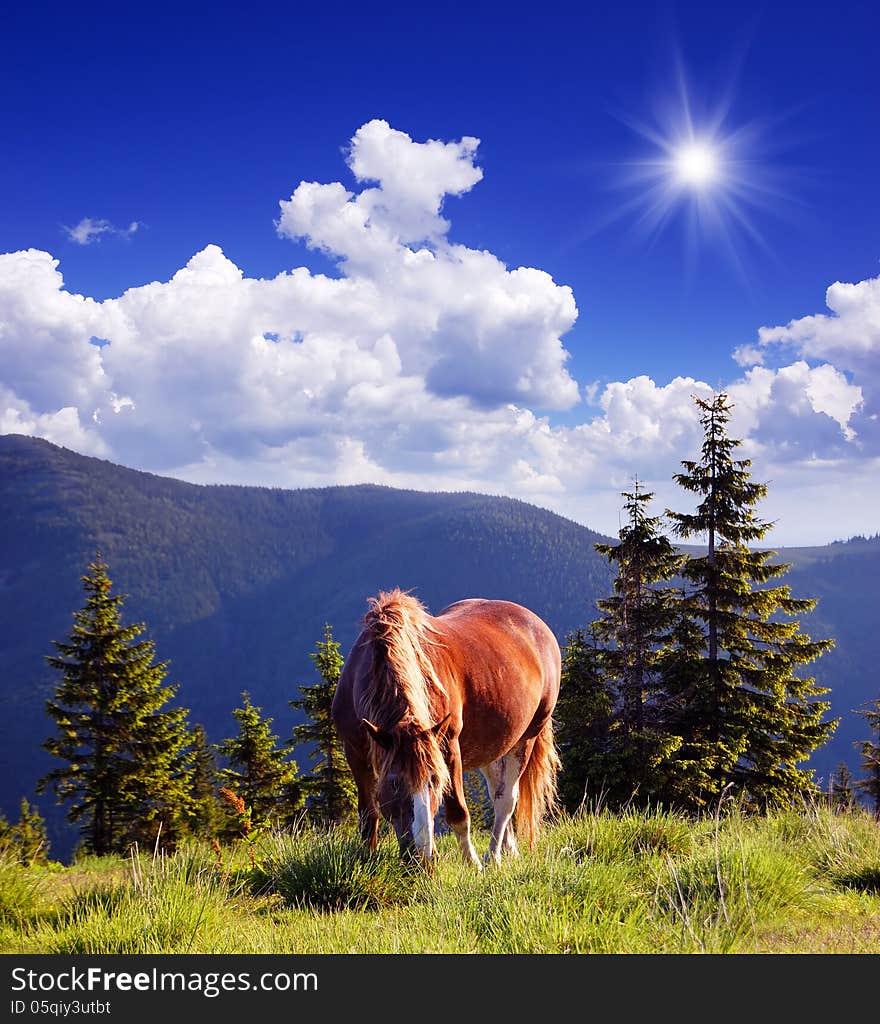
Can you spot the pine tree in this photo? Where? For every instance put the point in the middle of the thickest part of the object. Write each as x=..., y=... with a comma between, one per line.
x=749, y=715
x=841, y=791
x=635, y=629
x=869, y=784
x=583, y=720
x=258, y=771
x=126, y=771
x=329, y=787
x=27, y=839
x=685, y=772
x=207, y=812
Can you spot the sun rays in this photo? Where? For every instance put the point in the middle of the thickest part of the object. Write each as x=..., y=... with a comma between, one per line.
x=698, y=171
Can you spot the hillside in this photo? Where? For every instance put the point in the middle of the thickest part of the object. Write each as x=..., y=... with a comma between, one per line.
x=236, y=583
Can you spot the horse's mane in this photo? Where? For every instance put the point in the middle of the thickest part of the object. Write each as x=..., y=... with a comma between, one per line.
x=403, y=693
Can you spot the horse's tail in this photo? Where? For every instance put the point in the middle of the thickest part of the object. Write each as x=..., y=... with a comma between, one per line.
x=537, y=785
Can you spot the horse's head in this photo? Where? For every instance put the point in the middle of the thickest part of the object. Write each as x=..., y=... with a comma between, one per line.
x=412, y=776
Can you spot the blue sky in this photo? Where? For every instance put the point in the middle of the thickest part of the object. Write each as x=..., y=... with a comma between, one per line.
x=167, y=172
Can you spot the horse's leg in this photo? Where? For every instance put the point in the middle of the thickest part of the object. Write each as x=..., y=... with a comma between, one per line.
x=502, y=777
x=455, y=807
x=508, y=843
x=368, y=807
x=368, y=818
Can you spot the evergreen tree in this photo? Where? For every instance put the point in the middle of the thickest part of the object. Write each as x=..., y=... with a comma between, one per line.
x=685, y=772
x=126, y=771
x=207, y=811
x=27, y=839
x=870, y=751
x=583, y=720
x=635, y=629
x=258, y=771
x=841, y=791
x=749, y=716
x=329, y=787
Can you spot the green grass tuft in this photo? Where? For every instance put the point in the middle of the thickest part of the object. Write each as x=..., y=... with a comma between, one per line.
x=21, y=890
x=333, y=871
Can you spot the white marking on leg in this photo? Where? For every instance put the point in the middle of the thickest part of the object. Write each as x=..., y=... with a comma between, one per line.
x=493, y=774
x=504, y=776
x=510, y=846
x=463, y=832
x=423, y=823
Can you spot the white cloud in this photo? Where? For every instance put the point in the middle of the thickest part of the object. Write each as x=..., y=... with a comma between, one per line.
x=642, y=420
x=847, y=343
x=89, y=230
x=460, y=318
x=413, y=178
x=749, y=355
x=61, y=427
x=423, y=364
x=403, y=209
x=848, y=338
x=45, y=334
x=797, y=410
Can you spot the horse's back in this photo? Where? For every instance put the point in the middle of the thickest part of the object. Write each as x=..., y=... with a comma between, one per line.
x=500, y=625
x=504, y=662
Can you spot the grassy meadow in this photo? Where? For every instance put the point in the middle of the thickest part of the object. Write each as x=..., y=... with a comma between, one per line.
x=804, y=881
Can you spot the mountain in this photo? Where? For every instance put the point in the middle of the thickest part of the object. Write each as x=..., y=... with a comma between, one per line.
x=235, y=585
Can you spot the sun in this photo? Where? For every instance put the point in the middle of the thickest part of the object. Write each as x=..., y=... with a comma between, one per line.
x=698, y=171
x=696, y=165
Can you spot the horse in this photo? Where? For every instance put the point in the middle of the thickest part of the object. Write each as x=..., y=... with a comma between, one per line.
x=424, y=698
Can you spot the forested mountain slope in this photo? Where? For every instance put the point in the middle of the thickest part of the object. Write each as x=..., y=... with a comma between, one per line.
x=235, y=585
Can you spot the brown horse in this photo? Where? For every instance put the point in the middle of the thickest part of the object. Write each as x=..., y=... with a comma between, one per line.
x=424, y=698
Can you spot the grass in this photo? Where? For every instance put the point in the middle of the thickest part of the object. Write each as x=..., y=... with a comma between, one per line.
x=804, y=881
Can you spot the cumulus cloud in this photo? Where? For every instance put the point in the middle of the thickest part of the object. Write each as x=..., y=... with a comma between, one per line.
x=45, y=335
x=413, y=179
x=798, y=409
x=461, y=319
x=89, y=230
x=842, y=348
x=422, y=363
x=61, y=427
x=849, y=337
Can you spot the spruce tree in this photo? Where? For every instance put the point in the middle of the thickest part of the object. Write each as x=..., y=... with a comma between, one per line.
x=126, y=770
x=841, y=790
x=207, y=812
x=635, y=629
x=258, y=771
x=27, y=839
x=685, y=772
x=869, y=784
x=750, y=717
x=583, y=720
x=329, y=787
